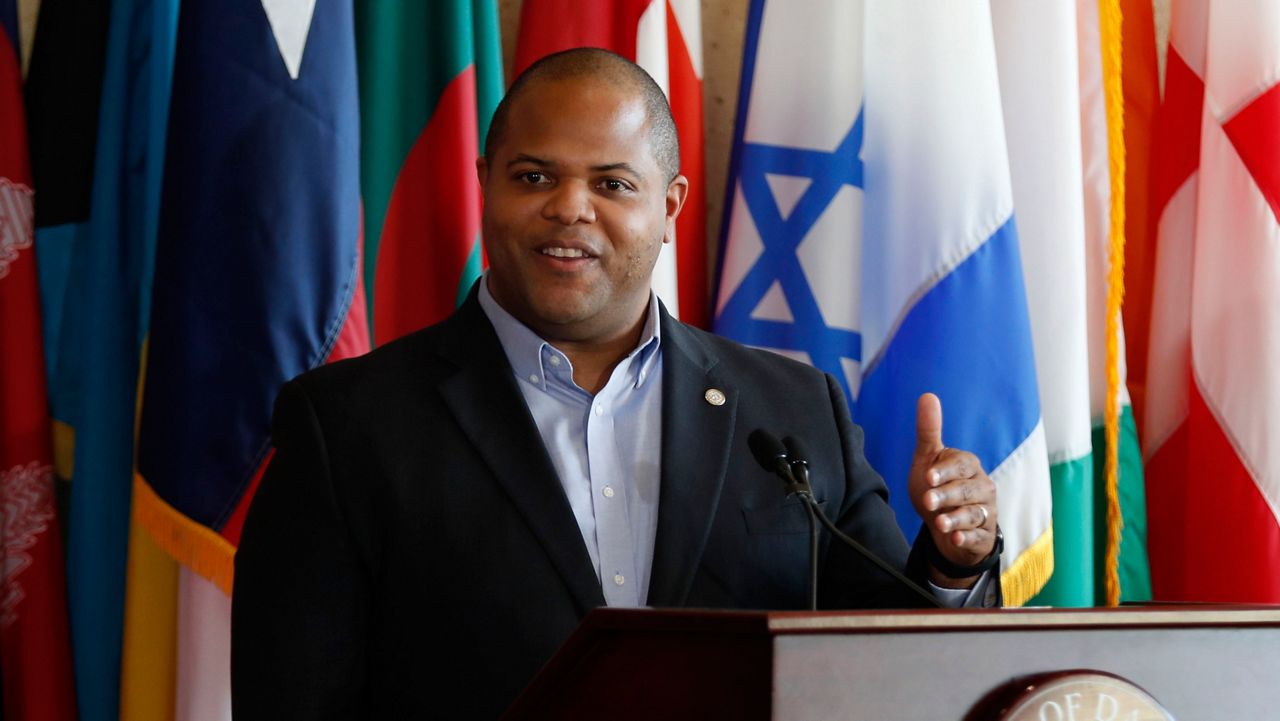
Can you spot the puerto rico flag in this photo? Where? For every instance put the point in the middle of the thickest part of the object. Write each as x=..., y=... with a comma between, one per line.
x=869, y=231
x=257, y=265
x=1213, y=378
x=665, y=38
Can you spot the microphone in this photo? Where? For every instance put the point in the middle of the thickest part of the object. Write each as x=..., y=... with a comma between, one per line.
x=770, y=453
x=797, y=457
x=788, y=460
x=773, y=456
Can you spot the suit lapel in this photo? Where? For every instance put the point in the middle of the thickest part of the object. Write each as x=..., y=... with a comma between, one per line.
x=696, y=438
x=487, y=404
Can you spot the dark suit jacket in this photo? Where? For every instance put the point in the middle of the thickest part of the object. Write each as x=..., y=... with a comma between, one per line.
x=410, y=549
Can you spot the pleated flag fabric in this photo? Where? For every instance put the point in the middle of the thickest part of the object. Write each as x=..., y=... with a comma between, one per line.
x=35, y=649
x=870, y=231
x=257, y=270
x=1051, y=84
x=1122, y=558
x=430, y=78
x=1040, y=97
x=258, y=277
x=1213, y=379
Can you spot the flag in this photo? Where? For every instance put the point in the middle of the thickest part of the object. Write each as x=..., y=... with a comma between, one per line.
x=1121, y=568
x=101, y=224
x=1141, y=80
x=257, y=278
x=665, y=38
x=430, y=78
x=1056, y=125
x=64, y=85
x=1213, y=380
x=869, y=230
x=35, y=649
x=1040, y=99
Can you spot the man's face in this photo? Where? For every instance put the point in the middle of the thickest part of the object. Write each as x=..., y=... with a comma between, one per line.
x=576, y=209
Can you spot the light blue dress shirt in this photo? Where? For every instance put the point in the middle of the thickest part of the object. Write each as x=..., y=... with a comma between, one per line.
x=607, y=450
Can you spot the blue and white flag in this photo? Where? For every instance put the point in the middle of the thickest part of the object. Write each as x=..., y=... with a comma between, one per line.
x=869, y=231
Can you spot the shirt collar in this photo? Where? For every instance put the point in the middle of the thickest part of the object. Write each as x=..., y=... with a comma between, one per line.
x=524, y=348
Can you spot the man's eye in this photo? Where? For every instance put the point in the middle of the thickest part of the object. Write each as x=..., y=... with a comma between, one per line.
x=616, y=186
x=533, y=177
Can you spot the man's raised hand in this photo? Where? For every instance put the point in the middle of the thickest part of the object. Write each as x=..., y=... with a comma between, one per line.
x=953, y=495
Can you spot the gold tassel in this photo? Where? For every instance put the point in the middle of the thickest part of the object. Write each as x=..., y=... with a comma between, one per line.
x=192, y=544
x=1110, y=20
x=1029, y=572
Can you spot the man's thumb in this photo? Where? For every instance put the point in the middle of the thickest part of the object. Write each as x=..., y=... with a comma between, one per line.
x=928, y=425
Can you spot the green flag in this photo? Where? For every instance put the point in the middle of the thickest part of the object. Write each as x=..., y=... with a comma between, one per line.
x=430, y=78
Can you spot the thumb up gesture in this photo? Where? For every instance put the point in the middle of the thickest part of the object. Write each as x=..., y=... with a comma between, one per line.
x=953, y=495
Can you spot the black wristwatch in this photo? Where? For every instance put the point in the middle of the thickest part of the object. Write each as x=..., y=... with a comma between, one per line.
x=953, y=570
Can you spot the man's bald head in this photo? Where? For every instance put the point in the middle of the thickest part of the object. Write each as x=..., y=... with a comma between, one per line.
x=614, y=70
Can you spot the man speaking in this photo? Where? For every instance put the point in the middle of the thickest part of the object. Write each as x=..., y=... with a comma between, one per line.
x=440, y=514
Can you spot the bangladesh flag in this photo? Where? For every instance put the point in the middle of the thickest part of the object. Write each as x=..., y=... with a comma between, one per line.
x=430, y=78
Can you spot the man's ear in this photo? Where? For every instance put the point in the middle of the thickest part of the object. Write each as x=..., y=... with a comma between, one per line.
x=677, y=191
x=482, y=170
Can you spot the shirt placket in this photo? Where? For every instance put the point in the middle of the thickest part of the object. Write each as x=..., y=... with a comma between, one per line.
x=608, y=492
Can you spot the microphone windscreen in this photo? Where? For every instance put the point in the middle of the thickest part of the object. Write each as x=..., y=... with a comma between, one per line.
x=795, y=449
x=766, y=448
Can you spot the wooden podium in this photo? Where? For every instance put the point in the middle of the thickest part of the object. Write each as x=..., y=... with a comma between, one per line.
x=1200, y=662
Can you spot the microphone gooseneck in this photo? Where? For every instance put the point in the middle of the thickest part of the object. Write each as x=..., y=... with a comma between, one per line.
x=788, y=459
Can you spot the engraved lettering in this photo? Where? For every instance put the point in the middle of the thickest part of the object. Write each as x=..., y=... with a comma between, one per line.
x=1107, y=708
x=1057, y=711
x=1073, y=704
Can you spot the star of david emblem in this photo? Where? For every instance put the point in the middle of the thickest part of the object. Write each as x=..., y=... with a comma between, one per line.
x=778, y=263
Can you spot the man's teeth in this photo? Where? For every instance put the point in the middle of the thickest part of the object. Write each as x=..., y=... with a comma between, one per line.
x=564, y=252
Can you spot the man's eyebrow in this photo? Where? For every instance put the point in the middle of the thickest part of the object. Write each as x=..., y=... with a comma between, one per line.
x=625, y=166
x=532, y=159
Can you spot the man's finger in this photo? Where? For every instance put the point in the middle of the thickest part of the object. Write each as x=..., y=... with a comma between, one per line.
x=963, y=518
x=972, y=539
x=954, y=494
x=954, y=466
x=928, y=425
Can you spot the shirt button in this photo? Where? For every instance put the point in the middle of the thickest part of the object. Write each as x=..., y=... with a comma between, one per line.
x=608, y=491
x=554, y=360
x=618, y=579
x=599, y=410
x=534, y=378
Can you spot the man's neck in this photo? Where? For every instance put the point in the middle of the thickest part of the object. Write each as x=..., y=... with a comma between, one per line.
x=593, y=362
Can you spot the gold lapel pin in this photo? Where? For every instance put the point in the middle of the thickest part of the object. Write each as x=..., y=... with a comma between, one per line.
x=714, y=396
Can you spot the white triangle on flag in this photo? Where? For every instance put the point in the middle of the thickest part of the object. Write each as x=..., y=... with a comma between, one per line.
x=774, y=306
x=290, y=23
x=787, y=191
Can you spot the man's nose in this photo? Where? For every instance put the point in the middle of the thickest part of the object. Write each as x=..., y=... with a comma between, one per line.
x=569, y=203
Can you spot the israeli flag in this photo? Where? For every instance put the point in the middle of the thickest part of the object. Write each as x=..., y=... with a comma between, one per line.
x=870, y=232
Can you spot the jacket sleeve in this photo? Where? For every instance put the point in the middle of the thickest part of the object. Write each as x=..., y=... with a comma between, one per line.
x=301, y=604
x=848, y=580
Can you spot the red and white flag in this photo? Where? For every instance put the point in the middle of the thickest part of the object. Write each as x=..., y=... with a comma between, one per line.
x=665, y=38
x=35, y=649
x=1213, y=407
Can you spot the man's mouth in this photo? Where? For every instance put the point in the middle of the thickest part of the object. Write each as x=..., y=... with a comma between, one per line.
x=565, y=252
